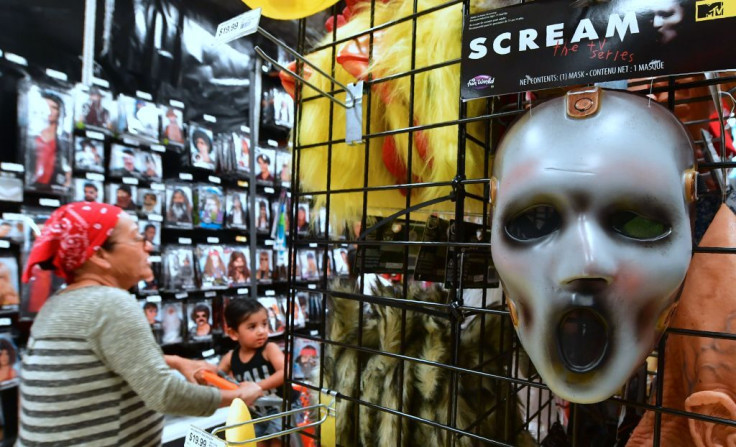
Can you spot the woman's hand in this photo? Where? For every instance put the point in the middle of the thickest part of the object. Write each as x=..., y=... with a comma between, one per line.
x=249, y=392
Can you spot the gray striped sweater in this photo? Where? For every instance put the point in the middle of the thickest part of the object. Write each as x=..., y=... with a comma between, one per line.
x=93, y=375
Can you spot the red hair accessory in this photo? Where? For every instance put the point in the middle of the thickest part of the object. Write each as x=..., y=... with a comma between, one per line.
x=71, y=235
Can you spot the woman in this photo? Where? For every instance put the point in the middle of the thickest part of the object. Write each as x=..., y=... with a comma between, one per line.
x=93, y=373
x=214, y=268
x=237, y=268
x=264, y=266
x=236, y=217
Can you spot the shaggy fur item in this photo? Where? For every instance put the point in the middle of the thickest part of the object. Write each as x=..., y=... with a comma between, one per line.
x=486, y=407
x=436, y=100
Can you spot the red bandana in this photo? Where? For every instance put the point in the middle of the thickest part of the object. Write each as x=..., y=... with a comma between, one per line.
x=72, y=235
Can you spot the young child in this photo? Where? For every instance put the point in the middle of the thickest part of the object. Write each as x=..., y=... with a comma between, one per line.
x=256, y=359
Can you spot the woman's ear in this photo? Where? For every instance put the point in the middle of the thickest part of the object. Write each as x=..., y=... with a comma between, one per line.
x=101, y=259
x=716, y=404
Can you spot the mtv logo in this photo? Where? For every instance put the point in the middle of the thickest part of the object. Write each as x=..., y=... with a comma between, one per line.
x=713, y=9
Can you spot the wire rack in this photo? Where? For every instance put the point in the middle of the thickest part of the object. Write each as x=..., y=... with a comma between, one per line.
x=414, y=362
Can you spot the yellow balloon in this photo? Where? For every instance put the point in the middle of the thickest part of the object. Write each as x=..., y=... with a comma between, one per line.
x=237, y=414
x=289, y=9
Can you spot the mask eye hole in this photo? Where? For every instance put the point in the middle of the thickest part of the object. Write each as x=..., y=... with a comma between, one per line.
x=533, y=223
x=635, y=226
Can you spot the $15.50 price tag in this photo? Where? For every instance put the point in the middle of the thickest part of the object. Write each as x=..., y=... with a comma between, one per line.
x=196, y=437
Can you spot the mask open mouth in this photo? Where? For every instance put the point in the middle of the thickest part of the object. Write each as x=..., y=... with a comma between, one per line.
x=582, y=339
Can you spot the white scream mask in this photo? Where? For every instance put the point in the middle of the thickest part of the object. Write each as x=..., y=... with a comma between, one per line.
x=591, y=234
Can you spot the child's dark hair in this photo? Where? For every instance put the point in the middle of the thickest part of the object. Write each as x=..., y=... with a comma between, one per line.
x=238, y=310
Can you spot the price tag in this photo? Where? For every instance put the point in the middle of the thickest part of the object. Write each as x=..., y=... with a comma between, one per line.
x=210, y=294
x=312, y=286
x=214, y=179
x=181, y=296
x=196, y=437
x=208, y=353
x=241, y=239
x=131, y=142
x=270, y=293
x=243, y=291
x=154, y=258
x=5, y=322
x=185, y=176
x=4, y=244
x=242, y=183
x=56, y=75
x=313, y=245
x=95, y=176
x=268, y=242
x=269, y=190
x=314, y=333
x=154, y=299
x=158, y=148
x=209, y=118
x=213, y=240
x=176, y=103
x=20, y=60
x=101, y=82
x=13, y=216
x=273, y=143
x=156, y=217
x=158, y=186
x=95, y=135
x=49, y=202
x=185, y=240
x=144, y=95
x=130, y=181
x=238, y=26
x=12, y=167
x=245, y=129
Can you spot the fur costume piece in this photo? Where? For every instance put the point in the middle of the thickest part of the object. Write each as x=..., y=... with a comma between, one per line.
x=436, y=100
x=491, y=405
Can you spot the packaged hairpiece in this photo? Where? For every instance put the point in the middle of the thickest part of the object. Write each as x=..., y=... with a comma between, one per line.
x=94, y=108
x=9, y=282
x=124, y=162
x=152, y=311
x=241, y=147
x=211, y=266
x=9, y=359
x=283, y=167
x=263, y=270
x=151, y=202
x=179, y=207
x=200, y=320
x=276, y=318
x=172, y=126
x=263, y=215
x=88, y=190
x=150, y=166
x=151, y=232
x=201, y=147
x=237, y=258
x=306, y=358
x=264, y=165
x=210, y=202
x=152, y=285
x=172, y=323
x=45, y=122
x=237, y=215
x=122, y=195
x=310, y=264
x=13, y=227
x=178, y=268
x=138, y=118
x=89, y=154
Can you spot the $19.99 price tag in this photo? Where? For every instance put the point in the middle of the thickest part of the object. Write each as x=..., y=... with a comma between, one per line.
x=196, y=437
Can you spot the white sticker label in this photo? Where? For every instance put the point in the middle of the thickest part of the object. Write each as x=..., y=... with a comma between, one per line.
x=154, y=299
x=158, y=148
x=314, y=332
x=154, y=258
x=181, y=295
x=156, y=217
x=5, y=322
x=4, y=244
x=56, y=75
x=312, y=286
x=176, y=103
x=196, y=437
x=270, y=293
x=158, y=186
x=213, y=240
x=12, y=167
x=101, y=82
x=245, y=129
x=185, y=176
x=269, y=190
x=95, y=135
x=13, y=216
x=185, y=240
x=131, y=142
x=144, y=95
x=95, y=176
x=208, y=353
x=214, y=179
x=130, y=181
x=209, y=118
x=313, y=245
x=273, y=143
x=210, y=294
x=243, y=291
x=238, y=26
x=269, y=242
x=20, y=60
x=241, y=239
x=49, y=202
x=242, y=183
